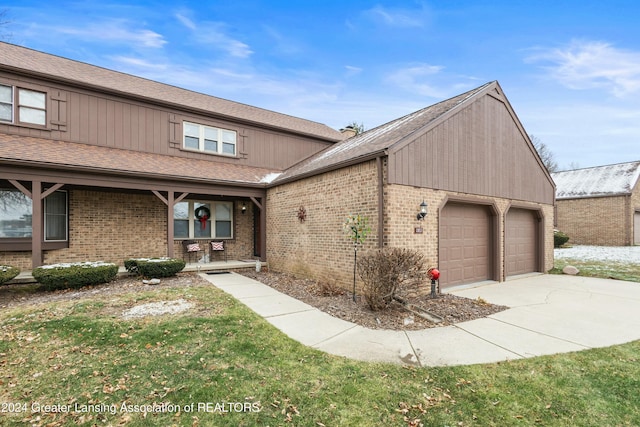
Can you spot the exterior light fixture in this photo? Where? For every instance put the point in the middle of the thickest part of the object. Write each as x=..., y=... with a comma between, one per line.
x=423, y=211
x=244, y=208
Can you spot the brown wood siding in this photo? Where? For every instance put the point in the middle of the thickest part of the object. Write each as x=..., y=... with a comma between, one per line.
x=479, y=150
x=105, y=120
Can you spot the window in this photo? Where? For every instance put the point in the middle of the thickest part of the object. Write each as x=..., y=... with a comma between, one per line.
x=209, y=139
x=16, y=215
x=30, y=107
x=203, y=220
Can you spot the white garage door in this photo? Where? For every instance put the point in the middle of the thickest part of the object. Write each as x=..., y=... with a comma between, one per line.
x=465, y=250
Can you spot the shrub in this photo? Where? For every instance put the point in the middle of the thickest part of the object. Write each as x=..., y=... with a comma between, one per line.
x=385, y=271
x=75, y=275
x=154, y=267
x=8, y=273
x=559, y=238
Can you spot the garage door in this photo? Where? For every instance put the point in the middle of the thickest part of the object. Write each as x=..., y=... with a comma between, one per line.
x=521, y=242
x=465, y=249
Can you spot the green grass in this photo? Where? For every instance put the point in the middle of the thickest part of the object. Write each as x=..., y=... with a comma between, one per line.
x=608, y=270
x=83, y=353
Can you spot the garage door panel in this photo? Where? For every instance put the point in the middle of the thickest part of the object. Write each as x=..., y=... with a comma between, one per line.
x=464, y=244
x=521, y=242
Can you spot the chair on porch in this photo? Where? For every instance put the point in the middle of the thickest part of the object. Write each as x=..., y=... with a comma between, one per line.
x=191, y=247
x=217, y=246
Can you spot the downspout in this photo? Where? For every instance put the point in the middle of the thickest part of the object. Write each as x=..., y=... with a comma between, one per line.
x=380, y=202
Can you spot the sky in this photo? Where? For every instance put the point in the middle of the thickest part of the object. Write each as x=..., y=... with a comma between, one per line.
x=570, y=69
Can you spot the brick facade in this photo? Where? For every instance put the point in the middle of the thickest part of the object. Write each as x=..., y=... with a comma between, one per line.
x=604, y=221
x=318, y=248
x=113, y=226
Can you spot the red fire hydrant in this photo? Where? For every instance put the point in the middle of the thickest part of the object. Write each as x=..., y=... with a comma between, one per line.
x=434, y=274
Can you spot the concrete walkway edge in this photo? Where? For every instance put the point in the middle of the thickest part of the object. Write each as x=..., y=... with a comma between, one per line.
x=548, y=314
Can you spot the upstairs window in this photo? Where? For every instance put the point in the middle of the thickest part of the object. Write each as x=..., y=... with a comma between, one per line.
x=19, y=105
x=209, y=139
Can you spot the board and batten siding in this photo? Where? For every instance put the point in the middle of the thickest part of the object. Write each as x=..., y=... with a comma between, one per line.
x=91, y=117
x=479, y=149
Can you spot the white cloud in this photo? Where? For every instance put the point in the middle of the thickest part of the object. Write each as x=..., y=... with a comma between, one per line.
x=418, y=79
x=106, y=31
x=401, y=18
x=591, y=65
x=186, y=21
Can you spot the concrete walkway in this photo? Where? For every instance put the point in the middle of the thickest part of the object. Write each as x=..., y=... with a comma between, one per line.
x=548, y=314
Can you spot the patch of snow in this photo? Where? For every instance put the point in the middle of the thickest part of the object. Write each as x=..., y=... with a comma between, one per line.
x=85, y=264
x=627, y=254
x=268, y=178
x=157, y=309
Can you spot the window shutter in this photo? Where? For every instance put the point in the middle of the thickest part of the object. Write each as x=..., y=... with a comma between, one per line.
x=175, y=132
x=58, y=113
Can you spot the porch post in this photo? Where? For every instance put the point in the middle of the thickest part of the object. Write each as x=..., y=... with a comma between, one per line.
x=170, y=203
x=263, y=230
x=37, y=224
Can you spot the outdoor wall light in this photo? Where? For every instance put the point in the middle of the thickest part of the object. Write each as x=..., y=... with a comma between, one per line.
x=244, y=208
x=423, y=211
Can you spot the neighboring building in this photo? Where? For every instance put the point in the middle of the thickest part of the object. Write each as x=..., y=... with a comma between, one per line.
x=119, y=165
x=600, y=205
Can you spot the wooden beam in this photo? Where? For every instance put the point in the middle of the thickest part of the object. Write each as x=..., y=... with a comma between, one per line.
x=255, y=201
x=37, y=224
x=21, y=187
x=161, y=197
x=50, y=190
x=180, y=198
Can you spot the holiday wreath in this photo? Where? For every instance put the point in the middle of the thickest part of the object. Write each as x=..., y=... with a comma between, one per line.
x=203, y=214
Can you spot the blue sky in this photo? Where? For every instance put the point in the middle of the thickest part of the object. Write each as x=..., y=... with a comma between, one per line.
x=571, y=69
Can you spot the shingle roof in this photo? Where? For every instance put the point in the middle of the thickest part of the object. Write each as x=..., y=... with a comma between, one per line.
x=375, y=141
x=68, y=155
x=600, y=181
x=66, y=70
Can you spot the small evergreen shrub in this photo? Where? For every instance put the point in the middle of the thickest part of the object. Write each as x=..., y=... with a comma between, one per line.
x=75, y=275
x=154, y=267
x=8, y=273
x=559, y=238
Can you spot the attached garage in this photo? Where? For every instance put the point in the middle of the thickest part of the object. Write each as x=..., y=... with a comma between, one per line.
x=466, y=244
x=521, y=242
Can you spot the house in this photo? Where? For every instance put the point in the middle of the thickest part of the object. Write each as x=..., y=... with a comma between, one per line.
x=96, y=164
x=489, y=197
x=600, y=205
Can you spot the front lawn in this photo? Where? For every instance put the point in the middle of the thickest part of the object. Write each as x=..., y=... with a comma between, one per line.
x=78, y=362
x=621, y=263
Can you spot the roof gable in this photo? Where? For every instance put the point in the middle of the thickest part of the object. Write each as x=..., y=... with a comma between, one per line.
x=600, y=181
x=40, y=64
x=375, y=141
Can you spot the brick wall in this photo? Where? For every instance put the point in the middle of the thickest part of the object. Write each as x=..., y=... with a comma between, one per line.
x=635, y=207
x=402, y=206
x=318, y=247
x=596, y=221
x=111, y=226
x=240, y=247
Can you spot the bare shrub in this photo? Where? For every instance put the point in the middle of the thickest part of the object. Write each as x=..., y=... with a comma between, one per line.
x=387, y=271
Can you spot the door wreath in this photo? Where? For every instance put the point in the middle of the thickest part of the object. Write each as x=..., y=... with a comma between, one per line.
x=203, y=214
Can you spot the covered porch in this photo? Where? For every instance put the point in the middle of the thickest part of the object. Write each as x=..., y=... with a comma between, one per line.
x=112, y=215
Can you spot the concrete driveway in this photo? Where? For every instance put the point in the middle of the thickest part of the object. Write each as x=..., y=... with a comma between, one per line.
x=548, y=314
